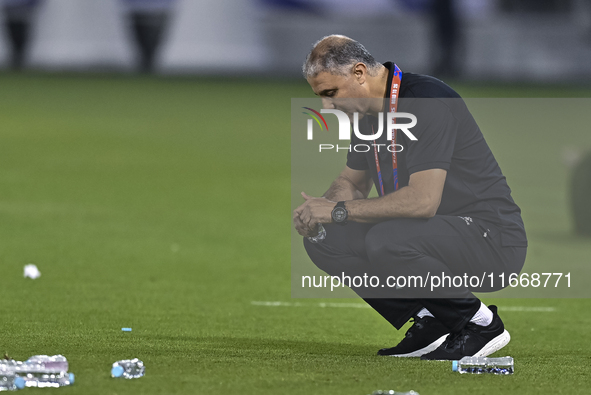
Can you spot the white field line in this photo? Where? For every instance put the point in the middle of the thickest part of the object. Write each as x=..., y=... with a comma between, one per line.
x=529, y=309
x=366, y=306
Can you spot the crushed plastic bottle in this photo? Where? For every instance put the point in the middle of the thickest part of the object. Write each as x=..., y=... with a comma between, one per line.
x=481, y=365
x=392, y=392
x=46, y=363
x=128, y=368
x=45, y=380
x=39, y=371
x=9, y=381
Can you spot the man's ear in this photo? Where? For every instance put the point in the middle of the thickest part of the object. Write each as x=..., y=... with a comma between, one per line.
x=360, y=72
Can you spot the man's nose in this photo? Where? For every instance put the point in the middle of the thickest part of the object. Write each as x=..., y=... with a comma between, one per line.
x=327, y=103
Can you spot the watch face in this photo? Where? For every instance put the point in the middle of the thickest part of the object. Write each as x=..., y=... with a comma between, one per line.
x=339, y=214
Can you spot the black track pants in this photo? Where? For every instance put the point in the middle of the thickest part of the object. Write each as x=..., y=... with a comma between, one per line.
x=441, y=246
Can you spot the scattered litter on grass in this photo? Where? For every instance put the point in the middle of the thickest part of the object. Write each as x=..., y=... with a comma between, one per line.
x=392, y=392
x=128, y=369
x=126, y=329
x=32, y=271
x=40, y=371
x=484, y=365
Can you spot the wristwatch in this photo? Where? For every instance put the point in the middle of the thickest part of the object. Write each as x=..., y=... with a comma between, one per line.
x=340, y=214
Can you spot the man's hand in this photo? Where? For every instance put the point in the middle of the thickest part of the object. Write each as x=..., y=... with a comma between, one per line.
x=314, y=211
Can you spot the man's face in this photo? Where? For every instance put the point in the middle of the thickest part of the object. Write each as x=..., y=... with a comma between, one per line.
x=339, y=92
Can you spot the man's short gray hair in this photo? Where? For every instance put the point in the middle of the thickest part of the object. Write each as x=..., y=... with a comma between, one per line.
x=335, y=54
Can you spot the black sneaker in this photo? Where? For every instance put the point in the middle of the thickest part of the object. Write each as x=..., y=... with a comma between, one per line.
x=424, y=336
x=473, y=341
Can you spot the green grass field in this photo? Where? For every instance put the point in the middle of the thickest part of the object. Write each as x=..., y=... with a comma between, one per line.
x=164, y=205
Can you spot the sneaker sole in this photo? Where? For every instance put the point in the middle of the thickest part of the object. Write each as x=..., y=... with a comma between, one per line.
x=422, y=351
x=495, y=344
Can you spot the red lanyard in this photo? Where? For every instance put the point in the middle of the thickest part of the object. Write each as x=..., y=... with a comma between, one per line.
x=394, y=90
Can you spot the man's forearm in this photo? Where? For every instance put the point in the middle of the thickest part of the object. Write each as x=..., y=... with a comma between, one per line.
x=404, y=203
x=343, y=189
x=419, y=199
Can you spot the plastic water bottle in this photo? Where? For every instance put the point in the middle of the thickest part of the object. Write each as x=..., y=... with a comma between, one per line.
x=392, y=392
x=128, y=368
x=54, y=363
x=45, y=380
x=480, y=365
x=9, y=381
x=40, y=371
